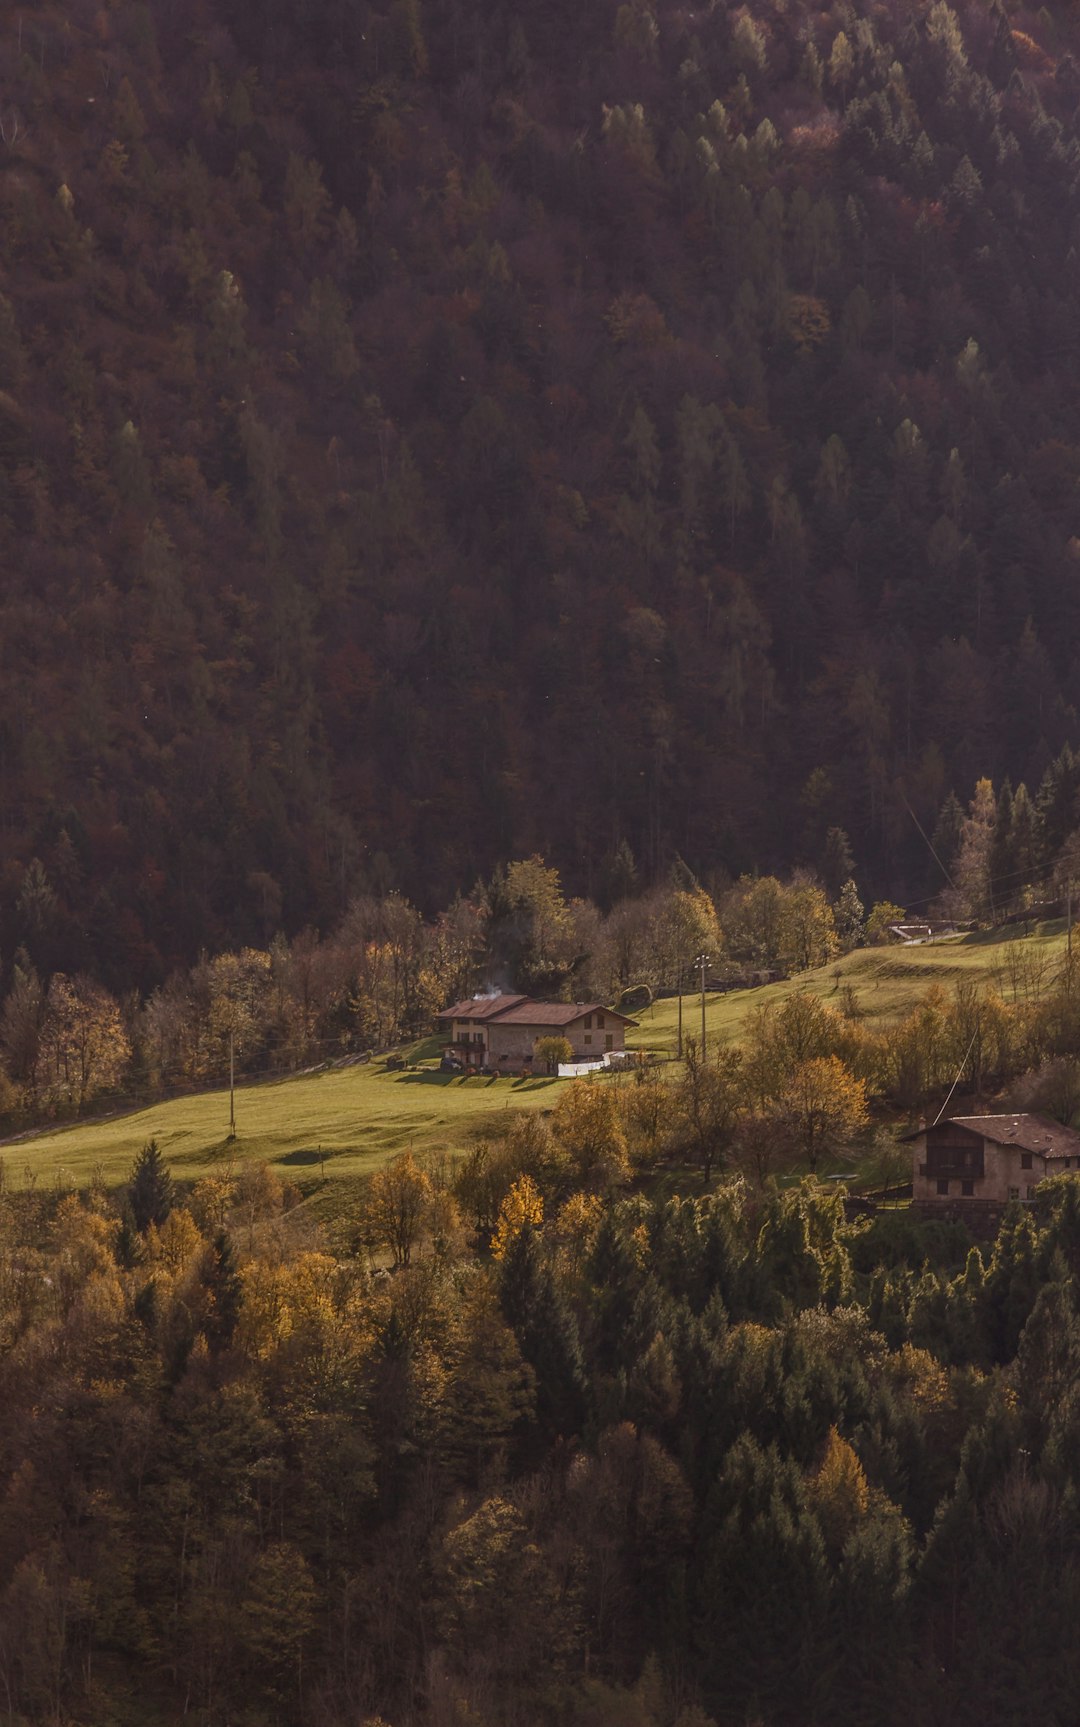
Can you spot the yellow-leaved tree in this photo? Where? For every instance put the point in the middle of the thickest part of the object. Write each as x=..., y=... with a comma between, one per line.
x=523, y=1208
x=396, y=1207
x=839, y=1492
x=83, y=1048
x=822, y=1107
x=551, y=1053
x=587, y=1125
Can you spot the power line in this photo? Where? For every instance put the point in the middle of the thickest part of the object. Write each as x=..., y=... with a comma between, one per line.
x=956, y=1081
x=929, y=842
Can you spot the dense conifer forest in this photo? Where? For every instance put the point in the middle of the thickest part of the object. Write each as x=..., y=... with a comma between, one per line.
x=566, y=1458
x=431, y=434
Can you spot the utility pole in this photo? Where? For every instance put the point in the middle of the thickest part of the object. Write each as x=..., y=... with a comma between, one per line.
x=703, y=960
x=232, y=1085
x=678, y=982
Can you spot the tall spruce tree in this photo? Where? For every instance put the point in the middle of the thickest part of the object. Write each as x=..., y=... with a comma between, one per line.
x=150, y=1190
x=224, y=1286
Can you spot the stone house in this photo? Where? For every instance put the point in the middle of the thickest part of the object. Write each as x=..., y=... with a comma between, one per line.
x=489, y=1031
x=971, y=1163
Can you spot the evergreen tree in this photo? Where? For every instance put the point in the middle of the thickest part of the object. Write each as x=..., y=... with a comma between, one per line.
x=129, y=1247
x=1056, y=805
x=837, y=862
x=763, y=1591
x=1012, y=1282
x=949, y=831
x=150, y=1189
x=224, y=1288
x=850, y=915
x=547, y=1333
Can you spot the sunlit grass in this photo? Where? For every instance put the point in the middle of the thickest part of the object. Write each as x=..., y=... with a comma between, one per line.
x=885, y=983
x=348, y=1121
x=345, y=1122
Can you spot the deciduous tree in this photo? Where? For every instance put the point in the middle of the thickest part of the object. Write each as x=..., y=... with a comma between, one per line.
x=396, y=1206
x=83, y=1048
x=822, y=1107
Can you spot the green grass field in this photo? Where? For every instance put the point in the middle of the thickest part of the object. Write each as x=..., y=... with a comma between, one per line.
x=346, y=1122
x=887, y=983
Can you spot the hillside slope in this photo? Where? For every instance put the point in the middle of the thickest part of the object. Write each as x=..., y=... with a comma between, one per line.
x=427, y=438
x=349, y=1121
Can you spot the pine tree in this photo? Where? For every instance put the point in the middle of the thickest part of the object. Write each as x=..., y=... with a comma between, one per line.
x=128, y=1248
x=1012, y=1282
x=837, y=862
x=949, y=831
x=547, y=1332
x=150, y=1190
x=763, y=1589
x=850, y=915
x=224, y=1287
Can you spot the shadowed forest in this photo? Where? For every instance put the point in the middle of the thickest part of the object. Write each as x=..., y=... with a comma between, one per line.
x=431, y=435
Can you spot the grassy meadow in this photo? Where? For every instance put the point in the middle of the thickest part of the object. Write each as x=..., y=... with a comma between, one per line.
x=345, y=1122
x=341, y=1122
x=886, y=982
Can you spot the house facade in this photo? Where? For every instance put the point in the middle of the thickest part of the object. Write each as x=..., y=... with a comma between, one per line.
x=501, y=1031
x=975, y=1162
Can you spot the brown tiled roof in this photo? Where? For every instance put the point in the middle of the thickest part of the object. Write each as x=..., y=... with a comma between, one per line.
x=481, y=1006
x=1029, y=1132
x=519, y=1010
x=556, y=1013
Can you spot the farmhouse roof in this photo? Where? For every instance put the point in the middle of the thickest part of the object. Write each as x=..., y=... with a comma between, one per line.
x=556, y=1012
x=520, y=1010
x=1029, y=1132
x=481, y=1006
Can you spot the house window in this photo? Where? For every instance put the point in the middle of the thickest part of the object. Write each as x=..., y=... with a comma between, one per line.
x=1025, y=1160
x=1030, y=1191
x=588, y=1037
x=609, y=1041
x=600, y=1021
x=1014, y=1193
x=943, y=1187
x=588, y=1022
x=967, y=1188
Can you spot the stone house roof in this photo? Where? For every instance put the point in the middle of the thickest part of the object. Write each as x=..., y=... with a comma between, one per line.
x=1028, y=1132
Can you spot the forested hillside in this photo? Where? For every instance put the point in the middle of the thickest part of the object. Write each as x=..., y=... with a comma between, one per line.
x=430, y=435
x=582, y=1460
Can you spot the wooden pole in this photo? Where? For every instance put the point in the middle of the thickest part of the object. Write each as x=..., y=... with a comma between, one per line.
x=232, y=1086
x=680, y=1012
x=704, y=962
